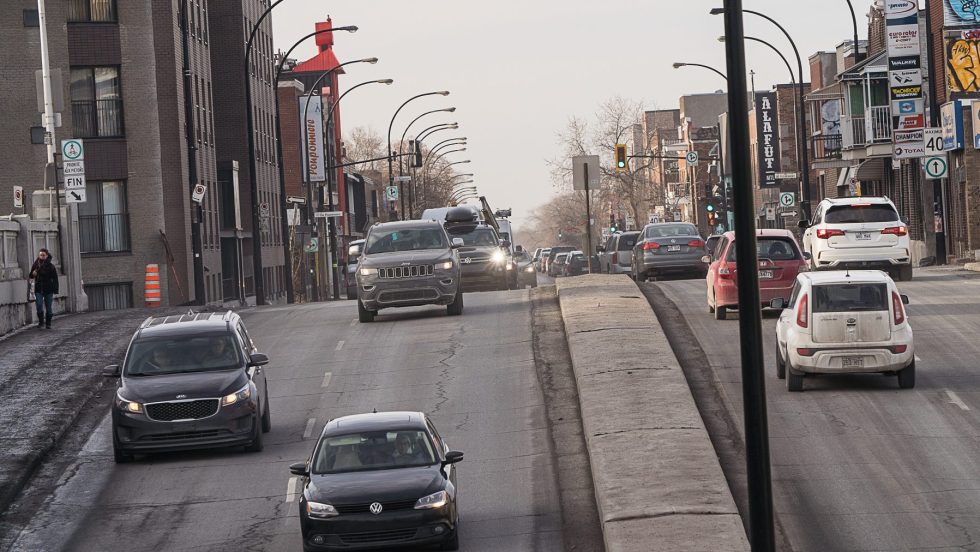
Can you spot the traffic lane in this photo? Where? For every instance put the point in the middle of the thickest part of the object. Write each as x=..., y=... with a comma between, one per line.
x=857, y=463
x=473, y=374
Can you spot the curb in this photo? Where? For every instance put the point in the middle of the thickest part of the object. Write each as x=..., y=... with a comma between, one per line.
x=658, y=482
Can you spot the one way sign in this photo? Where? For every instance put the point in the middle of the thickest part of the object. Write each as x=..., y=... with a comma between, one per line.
x=75, y=196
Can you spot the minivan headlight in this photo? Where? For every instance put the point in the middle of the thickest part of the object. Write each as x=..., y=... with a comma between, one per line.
x=123, y=403
x=320, y=510
x=448, y=265
x=242, y=394
x=434, y=500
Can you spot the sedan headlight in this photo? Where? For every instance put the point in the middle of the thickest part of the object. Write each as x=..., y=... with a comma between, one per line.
x=434, y=500
x=368, y=271
x=319, y=510
x=123, y=403
x=242, y=394
x=498, y=256
x=448, y=265
x=530, y=268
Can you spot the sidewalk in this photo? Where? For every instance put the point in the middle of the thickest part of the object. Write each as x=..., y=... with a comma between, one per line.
x=46, y=377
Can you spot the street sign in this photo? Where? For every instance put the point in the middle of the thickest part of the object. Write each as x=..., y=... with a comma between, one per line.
x=692, y=158
x=312, y=246
x=18, y=196
x=936, y=168
x=788, y=214
x=582, y=164
x=198, y=194
x=75, y=182
x=75, y=196
x=787, y=175
x=391, y=192
x=72, y=150
x=73, y=168
x=770, y=213
x=934, y=141
x=293, y=217
x=298, y=200
x=787, y=199
x=403, y=179
x=327, y=214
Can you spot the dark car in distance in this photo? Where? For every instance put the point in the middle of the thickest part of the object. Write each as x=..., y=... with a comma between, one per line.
x=189, y=382
x=379, y=480
x=669, y=248
x=576, y=264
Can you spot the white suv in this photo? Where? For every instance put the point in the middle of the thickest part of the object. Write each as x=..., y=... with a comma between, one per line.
x=858, y=232
x=842, y=322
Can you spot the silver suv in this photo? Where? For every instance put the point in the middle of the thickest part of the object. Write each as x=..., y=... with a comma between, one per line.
x=407, y=264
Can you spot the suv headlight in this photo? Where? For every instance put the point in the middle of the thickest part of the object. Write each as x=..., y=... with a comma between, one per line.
x=530, y=268
x=434, y=500
x=498, y=256
x=242, y=394
x=320, y=510
x=447, y=265
x=368, y=271
x=123, y=403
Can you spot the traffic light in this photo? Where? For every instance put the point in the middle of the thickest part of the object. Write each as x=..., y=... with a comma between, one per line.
x=415, y=150
x=620, y=158
x=709, y=206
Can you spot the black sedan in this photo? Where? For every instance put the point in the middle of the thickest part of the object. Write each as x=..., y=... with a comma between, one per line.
x=379, y=480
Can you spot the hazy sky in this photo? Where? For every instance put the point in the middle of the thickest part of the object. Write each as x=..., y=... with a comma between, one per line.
x=518, y=69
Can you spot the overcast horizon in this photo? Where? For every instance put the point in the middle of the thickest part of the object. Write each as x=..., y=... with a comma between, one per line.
x=518, y=70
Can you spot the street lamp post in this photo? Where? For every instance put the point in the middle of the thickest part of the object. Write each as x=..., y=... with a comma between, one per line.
x=857, y=48
x=434, y=129
x=401, y=142
x=391, y=175
x=679, y=64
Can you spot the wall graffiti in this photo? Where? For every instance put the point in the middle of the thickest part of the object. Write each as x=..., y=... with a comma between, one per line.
x=963, y=64
x=959, y=13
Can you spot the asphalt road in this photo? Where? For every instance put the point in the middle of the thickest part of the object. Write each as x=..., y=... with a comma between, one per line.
x=474, y=375
x=857, y=463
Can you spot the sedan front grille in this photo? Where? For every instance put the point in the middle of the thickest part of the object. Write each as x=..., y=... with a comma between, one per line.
x=378, y=536
x=366, y=507
x=413, y=271
x=183, y=410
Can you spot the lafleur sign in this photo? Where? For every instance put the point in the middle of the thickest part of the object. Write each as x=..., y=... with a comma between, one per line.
x=767, y=133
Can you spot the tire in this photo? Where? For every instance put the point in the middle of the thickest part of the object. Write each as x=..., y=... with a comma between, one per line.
x=711, y=306
x=905, y=273
x=794, y=380
x=364, y=315
x=456, y=307
x=780, y=365
x=266, y=414
x=720, y=312
x=117, y=454
x=256, y=445
x=906, y=377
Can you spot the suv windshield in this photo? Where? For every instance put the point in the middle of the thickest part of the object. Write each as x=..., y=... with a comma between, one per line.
x=774, y=249
x=373, y=450
x=671, y=231
x=850, y=297
x=868, y=212
x=478, y=237
x=404, y=239
x=172, y=355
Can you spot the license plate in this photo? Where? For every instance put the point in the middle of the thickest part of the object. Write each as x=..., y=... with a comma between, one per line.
x=862, y=235
x=765, y=274
x=852, y=362
x=673, y=248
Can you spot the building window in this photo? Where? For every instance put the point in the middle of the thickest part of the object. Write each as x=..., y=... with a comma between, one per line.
x=103, y=220
x=96, y=102
x=109, y=296
x=100, y=11
x=31, y=18
x=49, y=241
x=8, y=249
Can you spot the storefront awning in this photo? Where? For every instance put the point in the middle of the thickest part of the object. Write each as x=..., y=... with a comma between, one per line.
x=872, y=169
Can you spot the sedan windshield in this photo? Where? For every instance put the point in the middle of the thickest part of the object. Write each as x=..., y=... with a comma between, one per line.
x=479, y=237
x=203, y=353
x=374, y=450
x=405, y=239
x=671, y=231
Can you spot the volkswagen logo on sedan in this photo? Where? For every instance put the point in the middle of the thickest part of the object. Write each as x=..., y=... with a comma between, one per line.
x=376, y=508
x=467, y=260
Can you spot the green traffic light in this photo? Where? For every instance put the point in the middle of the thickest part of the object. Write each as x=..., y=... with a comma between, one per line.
x=710, y=207
x=621, y=164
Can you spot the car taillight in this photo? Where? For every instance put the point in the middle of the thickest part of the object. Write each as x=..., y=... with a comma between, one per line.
x=650, y=245
x=725, y=273
x=615, y=258
x=695, y=243
x=826, y=233
x=899, y=349
x=896, y=230
x=802, y=320
x=804, y=351
x=898, y=308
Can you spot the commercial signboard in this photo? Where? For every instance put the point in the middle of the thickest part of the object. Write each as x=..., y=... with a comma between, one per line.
x=312, y=138
x=767, y=133
x=951, y=117
x=905, y=77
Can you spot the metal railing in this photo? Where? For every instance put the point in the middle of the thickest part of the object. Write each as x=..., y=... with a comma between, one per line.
x=104, y=233
x=826, y=146
x=97, y=118
x=878, y=123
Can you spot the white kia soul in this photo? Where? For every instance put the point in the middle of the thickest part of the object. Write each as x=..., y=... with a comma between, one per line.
x=840, y=322
x=858, y=232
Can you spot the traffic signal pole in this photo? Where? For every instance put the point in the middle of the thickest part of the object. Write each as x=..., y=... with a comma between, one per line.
x=588, y=217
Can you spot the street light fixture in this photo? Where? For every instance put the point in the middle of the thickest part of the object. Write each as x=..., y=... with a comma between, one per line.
x=434, y=129
x=678, y=65
x=391, y=175
x=401, y=142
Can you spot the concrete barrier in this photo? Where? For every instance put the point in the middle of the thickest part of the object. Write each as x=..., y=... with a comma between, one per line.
x=658, y=482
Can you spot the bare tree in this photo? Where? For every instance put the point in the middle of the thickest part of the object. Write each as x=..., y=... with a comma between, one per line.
x=365, y=143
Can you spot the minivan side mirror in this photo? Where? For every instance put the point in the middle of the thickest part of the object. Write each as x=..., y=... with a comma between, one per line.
x=111, y=371
x=807, y=256
x=452, y=457
x=706, y=259
x=905, y=299
x=504, y=243
x=778, y=303
x=299, y=468
x=258, y=359
x=803, y=223
x=457, y=242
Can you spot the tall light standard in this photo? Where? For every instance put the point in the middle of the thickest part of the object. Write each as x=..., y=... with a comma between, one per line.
x=854, y=22
x=391, y=175
x=434, y=129
x=401, y=142
x=801, y=119
x=680, y=64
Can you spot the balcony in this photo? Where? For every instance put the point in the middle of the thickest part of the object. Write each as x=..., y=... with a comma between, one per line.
x=874, y=127
x=104, y=233
x=97, y=118
x=826, y=146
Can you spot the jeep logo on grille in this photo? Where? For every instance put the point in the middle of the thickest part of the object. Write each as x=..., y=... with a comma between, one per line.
x=181, y=396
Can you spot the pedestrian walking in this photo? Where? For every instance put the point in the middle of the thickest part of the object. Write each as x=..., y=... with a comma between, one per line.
x=45, y=277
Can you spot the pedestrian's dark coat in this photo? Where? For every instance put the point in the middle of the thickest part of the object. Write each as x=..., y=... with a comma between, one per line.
x=45, y=276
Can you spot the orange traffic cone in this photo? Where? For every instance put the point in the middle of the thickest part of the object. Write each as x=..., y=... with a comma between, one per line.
x=151, y=293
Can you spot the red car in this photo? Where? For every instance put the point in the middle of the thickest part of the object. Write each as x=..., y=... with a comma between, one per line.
x=780, y=260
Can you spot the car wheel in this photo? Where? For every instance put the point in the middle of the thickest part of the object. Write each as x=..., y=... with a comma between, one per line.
x=364, y=315
x=256, y=444
x=456, y=307
x=905, y=273
x=906, y=376
x=780, y=365
x=720, y=312
x=711, y=303
x=794, y=380
x=117, y=454
x=266, y=414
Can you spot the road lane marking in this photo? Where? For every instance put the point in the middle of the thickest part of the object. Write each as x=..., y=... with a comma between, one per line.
x=955, y=399
x=326, y=379
x=309, y=428
x=340, y=345
x=291, y=489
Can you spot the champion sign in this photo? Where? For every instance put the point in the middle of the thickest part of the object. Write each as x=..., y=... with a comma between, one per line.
x=767, y=133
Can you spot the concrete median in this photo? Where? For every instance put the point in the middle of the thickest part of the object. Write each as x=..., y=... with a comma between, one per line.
x=658, y=483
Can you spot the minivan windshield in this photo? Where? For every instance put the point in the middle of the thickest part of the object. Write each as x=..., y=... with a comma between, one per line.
x=866, y=212
x=850, y=297
x=478, y=237
x=405, y=239
x=174, y=355
x=373, y=450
